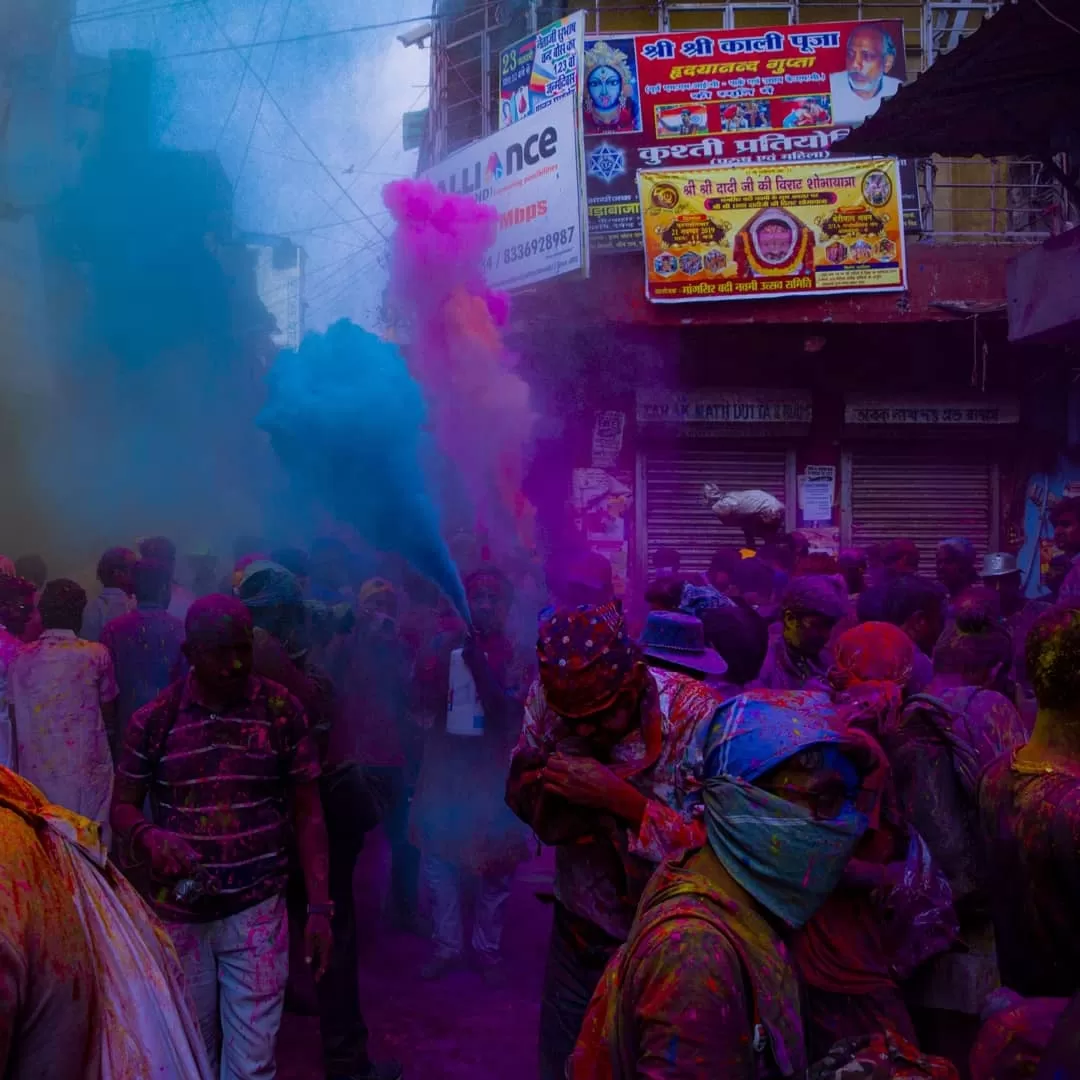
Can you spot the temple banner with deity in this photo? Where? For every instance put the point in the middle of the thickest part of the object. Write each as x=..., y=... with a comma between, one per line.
x=759, y=231
x=692, y=98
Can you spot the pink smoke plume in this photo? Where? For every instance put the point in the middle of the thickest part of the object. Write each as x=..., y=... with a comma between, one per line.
x=480, y=406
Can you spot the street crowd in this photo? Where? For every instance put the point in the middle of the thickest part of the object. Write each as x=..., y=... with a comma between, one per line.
x=812, y=816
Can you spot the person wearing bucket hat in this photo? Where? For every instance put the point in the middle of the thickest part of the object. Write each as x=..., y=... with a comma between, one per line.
x=779, y=785
x=596, y=774
x=798, y=656
x=676, y=642
x=1019, y=614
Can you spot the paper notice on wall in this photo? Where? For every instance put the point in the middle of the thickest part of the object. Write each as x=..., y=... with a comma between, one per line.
x=817, y=488
x=602, y=501
x=607, y=439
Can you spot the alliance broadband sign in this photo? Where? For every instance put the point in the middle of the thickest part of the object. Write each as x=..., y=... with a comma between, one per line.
x=532, y=173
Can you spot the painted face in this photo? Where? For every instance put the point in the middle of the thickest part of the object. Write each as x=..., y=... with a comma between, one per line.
x=807, y=631
x=223, y=668
x=605, y=87
x=867, y=62
x=487, y=604
x=774, y=241
x=603, y=730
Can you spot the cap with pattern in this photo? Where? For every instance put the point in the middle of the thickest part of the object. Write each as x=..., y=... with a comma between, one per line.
x=586, y=659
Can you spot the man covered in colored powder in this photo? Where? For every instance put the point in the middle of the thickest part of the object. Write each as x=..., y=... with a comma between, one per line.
x=596, y=774
x=1029, y=809
x=90, y=984
x=350, y=802
x=63, y=696
x=459, y=818
x=231, y=770
x=704, y=985
x=144, y=644
x=798, y=656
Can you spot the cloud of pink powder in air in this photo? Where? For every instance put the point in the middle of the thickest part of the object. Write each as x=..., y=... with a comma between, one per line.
x=480, y=406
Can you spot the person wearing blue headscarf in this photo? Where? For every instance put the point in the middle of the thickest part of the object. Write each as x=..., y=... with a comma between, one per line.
x=704, y=985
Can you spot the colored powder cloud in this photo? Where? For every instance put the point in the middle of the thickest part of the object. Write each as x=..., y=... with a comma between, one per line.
x=346, y=420
x=481, y=414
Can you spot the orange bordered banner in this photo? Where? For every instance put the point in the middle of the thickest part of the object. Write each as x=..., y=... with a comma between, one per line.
x=759, y=231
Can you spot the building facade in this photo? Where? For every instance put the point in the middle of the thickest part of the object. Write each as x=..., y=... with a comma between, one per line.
x=870, y=416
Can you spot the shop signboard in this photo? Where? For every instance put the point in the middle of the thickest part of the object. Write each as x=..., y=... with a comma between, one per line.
x=759, y=231
x=771, y=94
x=860, y=409
x=765, y=406
x=531, y=174
x=541, y=69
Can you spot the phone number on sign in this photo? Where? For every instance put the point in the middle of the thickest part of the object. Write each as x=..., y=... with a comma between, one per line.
x=539, y=245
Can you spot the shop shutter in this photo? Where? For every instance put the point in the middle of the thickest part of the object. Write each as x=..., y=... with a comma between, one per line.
x=925, y=497
x=675, y=511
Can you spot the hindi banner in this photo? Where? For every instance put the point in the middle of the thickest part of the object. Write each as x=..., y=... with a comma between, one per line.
x=770, y=94
x=540, y=69
x=752, y=231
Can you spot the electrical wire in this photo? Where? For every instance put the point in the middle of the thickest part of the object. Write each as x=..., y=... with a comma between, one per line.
x=123, y=10
x=240, y=86
x=262, y=99
x=285, y=116
x=1057, y=18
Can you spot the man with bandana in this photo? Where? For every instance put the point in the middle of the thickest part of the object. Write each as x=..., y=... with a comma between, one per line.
x=704, y=985
x=596, y=774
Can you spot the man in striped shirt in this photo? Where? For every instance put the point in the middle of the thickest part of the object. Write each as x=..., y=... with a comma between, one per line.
x=226, y=758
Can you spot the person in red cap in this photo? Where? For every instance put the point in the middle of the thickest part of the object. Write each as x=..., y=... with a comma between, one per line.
x=595, y=773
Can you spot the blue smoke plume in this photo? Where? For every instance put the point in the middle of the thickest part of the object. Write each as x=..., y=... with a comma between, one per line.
x=346, y=420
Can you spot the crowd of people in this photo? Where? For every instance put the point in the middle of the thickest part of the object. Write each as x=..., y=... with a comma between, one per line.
x=811, y=816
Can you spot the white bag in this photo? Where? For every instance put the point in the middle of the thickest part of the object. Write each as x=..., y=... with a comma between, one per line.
x=464, y=713
x=744, y=504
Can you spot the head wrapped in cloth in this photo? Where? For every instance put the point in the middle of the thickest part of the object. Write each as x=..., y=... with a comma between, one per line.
x=587, y=660
x=780, y=780
x=873, y=665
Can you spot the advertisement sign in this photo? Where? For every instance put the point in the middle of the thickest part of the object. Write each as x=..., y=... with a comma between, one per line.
x=540, y=69
x=778, y=94
x=729, y=233
x=861, y=409
x=531, y=173
x=765, y=406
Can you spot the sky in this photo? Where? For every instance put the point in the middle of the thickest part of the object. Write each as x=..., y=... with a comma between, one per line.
x=341, y=96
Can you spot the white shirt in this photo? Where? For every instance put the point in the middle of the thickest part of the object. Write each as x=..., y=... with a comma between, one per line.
x=848, y=107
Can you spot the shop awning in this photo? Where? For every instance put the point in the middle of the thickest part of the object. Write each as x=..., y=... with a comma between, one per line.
x=1010, y=88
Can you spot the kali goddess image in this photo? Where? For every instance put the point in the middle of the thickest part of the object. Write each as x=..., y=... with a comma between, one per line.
x=611, y=99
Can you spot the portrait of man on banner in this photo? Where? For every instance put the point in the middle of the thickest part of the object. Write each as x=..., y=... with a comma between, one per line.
x=774, y=243
x=612, y=102
x=866, y=81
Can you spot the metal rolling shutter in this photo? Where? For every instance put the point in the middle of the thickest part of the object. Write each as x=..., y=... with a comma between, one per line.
x=924, y=497
x=675, y=511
